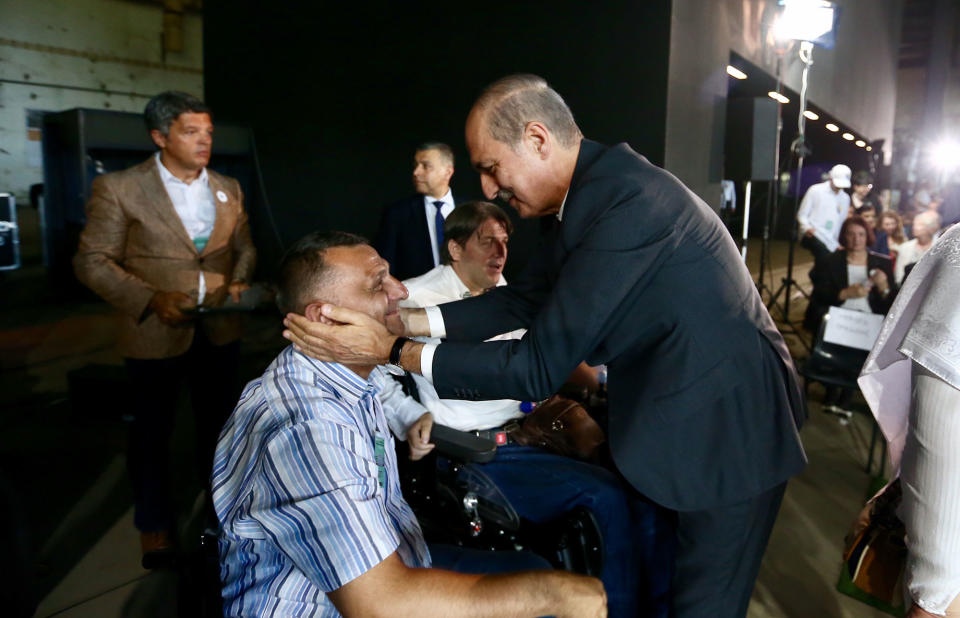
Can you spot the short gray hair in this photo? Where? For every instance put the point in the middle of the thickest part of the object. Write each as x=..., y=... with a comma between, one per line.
x=513, y=101
x=929, y=219
x=446, y=152
x=167, y=106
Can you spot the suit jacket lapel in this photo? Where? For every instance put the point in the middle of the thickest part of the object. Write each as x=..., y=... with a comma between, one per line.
x=419, y=215
x=225, y=217
x=159, y=202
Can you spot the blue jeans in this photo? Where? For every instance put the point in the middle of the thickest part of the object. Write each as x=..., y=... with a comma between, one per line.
x=638, y=534
x=480, y=562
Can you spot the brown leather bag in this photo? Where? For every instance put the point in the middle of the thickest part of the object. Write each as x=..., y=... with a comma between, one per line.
x=875, y=553
x=562, y=426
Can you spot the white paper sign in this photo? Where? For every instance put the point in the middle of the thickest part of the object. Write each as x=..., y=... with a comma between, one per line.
x=854, y=329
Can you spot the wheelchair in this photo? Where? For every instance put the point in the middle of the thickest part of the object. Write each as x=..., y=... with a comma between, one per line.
x=456, y=503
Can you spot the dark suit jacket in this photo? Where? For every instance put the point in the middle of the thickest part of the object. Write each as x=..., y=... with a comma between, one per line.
x=403, y=238
x=829, y=276
x=704, y=400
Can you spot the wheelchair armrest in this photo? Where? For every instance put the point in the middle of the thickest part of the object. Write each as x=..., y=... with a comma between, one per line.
x=462, y=446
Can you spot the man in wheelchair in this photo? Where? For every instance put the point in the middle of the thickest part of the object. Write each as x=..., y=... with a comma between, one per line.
x=540, y=486
x=306, y=489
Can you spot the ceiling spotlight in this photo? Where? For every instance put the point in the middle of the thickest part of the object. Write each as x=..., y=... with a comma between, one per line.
x=811, y=115
x=869, y=148
x=832, y=127
x=733, y=71
x=848, y=137
x=860, y=143
x=776, y=96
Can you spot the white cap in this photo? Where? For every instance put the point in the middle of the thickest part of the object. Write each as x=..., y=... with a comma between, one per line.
x=840, y=175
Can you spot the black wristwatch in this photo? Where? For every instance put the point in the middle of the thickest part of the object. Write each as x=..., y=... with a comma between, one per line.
x=394, y=362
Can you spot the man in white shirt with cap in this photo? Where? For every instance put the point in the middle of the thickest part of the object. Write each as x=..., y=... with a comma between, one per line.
x=823, y=209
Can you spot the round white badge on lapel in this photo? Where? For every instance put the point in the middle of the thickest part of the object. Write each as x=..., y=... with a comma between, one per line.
x=221, y=196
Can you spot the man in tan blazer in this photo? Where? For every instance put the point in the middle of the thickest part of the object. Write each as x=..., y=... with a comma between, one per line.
x=166, y=241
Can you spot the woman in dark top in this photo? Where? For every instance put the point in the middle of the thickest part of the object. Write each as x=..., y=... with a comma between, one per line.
x=852, y=277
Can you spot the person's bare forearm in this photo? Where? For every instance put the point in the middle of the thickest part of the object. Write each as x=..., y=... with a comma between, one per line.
x=417, y=592
x=415, y=322
x=537, y=593
x=391, y=589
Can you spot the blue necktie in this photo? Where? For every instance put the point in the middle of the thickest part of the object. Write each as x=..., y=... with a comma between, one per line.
x=439, y=224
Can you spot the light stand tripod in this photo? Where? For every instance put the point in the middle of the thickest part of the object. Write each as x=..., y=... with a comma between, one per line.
x=773, y=195
x=799, y=147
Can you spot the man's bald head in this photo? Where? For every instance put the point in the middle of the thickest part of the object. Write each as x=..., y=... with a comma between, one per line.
x=511, y=102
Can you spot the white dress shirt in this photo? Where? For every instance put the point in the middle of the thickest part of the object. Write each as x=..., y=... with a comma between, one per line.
x=907, y=253
x=431, y=212
x=194, y=205
x=857, y=273
x=823, y=211
x=437, y=328
x=441, y=285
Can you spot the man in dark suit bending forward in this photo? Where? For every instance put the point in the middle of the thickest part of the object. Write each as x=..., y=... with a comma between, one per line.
x=641, y=275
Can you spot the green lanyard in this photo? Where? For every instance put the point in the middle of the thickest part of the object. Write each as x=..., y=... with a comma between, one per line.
x=379, y=455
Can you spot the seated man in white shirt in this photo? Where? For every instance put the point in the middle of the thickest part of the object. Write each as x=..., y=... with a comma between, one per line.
x=540, y=485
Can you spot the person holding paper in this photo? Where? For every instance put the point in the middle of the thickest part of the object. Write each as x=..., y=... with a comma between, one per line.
x=822, y=211
x=853, y=278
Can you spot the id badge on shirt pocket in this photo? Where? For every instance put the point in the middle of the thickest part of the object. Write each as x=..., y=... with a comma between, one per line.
x=379, y=455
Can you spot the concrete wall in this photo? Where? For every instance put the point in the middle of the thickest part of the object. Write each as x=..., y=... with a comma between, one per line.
x=61, y=54
x=860, y=89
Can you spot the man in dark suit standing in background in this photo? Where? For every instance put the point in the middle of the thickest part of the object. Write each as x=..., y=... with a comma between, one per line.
x=411, y=230
x=704, y=400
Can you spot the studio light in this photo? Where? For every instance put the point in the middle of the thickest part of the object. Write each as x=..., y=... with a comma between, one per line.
x=860, y=143
x=811, y=115
x=945, y=155
x=811, y=22
x=848, y=137
x=734, y=72
x=806, y=20
x=776, y=96
x=832, y=127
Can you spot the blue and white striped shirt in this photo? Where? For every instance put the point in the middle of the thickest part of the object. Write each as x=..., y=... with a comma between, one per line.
x=307, y=501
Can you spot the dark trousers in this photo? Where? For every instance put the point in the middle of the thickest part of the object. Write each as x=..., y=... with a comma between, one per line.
x=480, y=562
x=211, y=374
x=638, y=534
x=719, y=553
x=814, y=246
